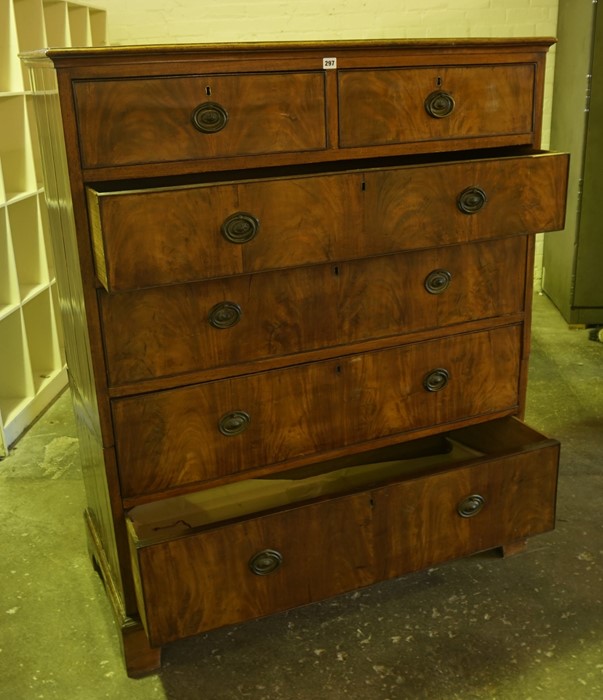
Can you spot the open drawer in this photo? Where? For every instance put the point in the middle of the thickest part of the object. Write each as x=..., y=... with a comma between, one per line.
x=146, y=236
x=252, y=548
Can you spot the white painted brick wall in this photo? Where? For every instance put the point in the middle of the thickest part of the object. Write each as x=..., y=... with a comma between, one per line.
x=158, y=21
x=193, y=21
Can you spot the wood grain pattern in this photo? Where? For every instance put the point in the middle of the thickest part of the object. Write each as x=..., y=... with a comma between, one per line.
x=157, y=237
x=387, y=106
x=139, y=656
x=172, y=438
x=103, y=500
x=129, y=63
x=337, y=334
x=519, y=493
x=202, y=581
x=368, y=51
x=165, y=330
x=417, y=207
x=125, y=122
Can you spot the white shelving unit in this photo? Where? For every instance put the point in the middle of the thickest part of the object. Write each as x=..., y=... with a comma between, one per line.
x=32, y=360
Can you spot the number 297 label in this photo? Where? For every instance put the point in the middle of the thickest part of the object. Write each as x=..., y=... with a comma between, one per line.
x=329, y=63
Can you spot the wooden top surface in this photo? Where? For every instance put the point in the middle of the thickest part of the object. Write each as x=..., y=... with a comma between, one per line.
x=137, y=52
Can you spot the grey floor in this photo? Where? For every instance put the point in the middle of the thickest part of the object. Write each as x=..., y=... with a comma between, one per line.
x=522, y=628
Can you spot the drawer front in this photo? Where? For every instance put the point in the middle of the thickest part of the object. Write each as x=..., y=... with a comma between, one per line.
x=203, y=582
x=128, y=122
x=179, y=235
x=211, y=430
x=155, y=237
x=468, y=511
x=391, y=106
x=460, y=202
x=183, y=328
x=207, y=578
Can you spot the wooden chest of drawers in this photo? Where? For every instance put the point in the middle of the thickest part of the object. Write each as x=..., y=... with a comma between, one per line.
x=296, y=284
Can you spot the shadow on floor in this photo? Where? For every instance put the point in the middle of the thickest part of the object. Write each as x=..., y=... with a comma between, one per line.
x=530, y=626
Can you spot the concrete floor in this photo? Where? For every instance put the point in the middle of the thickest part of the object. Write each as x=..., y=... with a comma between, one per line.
x=522, y=628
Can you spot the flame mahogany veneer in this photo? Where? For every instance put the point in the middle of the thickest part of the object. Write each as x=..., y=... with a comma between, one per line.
x=296, y=283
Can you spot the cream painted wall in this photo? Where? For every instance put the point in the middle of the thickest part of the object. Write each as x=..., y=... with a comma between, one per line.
x=162, y=21
x=192, y=21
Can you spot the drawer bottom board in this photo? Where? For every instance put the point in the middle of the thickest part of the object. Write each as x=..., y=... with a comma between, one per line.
x=252, y=566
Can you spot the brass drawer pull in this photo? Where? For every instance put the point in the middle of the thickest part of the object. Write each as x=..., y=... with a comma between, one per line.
x=240, y=227
x=437, y=281
x=265, y=562
x=471, y=200
x=470, y=506
x=439, y=104
x=234, y=423
x=226, y=314
x=209, y=117
x=436, y=380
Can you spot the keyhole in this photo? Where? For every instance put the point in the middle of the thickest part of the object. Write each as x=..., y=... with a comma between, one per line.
x=208, y=91
x=336, y=270
x=438, y=81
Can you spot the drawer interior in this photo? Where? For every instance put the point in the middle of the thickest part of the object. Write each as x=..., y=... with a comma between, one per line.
x=183, y=515
x=236, y=553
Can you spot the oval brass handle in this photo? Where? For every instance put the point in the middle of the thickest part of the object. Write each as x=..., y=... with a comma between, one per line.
x=225, y=314
x=436, y=380
x=209, y=117
x=265, y=562
x=437, y=281
x=471, y=505
x=439, y=104
x=234, y=423
x=471, y=200
x=240, y=227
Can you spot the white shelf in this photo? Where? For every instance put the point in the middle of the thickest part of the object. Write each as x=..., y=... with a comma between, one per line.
x=11, y=75
x=16, y=376
x=31, y=34
x=79, y=25
x=35, y=142
x=16, y=150
x=56, y=20
x=56, y=307
x=45, y=223
x=2, y=190
x=9, y=285
x=28, y=245
x=32, y=355
x=42, y=339
x=98, y=27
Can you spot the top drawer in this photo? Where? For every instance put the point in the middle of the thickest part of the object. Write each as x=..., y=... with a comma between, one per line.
x=395, y=106
x=152, y=120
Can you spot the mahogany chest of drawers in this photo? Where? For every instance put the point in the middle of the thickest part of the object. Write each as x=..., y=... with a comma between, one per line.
x=296, y=283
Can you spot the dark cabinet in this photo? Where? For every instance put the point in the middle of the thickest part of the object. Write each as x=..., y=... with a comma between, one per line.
x=573, y=262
